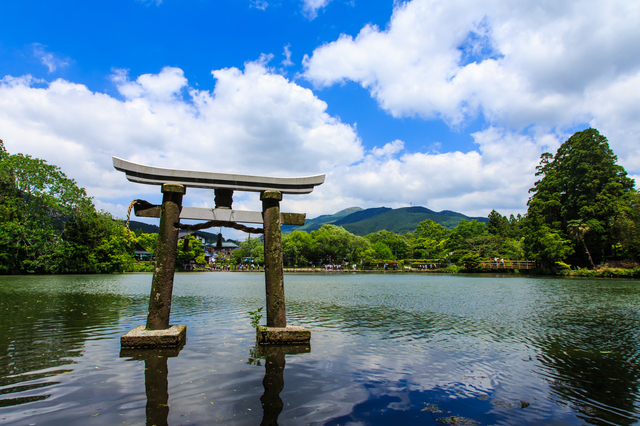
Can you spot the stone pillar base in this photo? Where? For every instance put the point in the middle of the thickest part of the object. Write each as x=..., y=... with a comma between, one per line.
x=289, y=335
x=140, y=337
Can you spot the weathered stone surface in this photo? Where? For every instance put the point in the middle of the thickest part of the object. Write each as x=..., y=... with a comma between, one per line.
x=293, y=218
x=140, y=337
x=290, y=335
x=223, y=198
x=147, y=210
x=273, y=271
x=291, y=349
x=174, y=187
x=141, y=173
x=271, y=195
x=166, y=252
x=142, y=353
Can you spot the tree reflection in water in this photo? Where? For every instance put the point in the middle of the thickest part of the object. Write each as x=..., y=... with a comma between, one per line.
x=589, y=357
x=273, y=382
x=42, y=334
x=155, y=381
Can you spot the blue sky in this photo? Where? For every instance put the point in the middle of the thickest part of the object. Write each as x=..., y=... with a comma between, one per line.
x=444, y=104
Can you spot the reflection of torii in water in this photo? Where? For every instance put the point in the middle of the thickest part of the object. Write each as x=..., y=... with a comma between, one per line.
x=273, y=381
x=158, y=332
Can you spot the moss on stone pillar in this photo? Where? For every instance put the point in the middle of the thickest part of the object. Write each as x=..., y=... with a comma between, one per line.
x=166, y=251
x=274, y=278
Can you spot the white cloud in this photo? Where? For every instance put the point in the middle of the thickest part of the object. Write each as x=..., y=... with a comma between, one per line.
x=552, y=64
x=48, y=59
x=259, y=4
x=254, y=122
x=616, y=114
x=165, y=86
x=498, y=175
x=287, y=56
x=534, y=70
x=310, y=8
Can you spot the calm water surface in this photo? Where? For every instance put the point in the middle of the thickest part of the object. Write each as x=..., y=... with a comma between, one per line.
x=385, y=350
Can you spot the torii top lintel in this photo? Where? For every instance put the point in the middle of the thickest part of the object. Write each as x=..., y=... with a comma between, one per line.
x=149, y=175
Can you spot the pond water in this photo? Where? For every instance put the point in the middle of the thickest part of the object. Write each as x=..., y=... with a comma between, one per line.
x=386, y=349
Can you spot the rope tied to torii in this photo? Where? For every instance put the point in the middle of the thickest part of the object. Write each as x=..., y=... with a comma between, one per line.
x=197, y=226
x=129, y=217
x=223, y=223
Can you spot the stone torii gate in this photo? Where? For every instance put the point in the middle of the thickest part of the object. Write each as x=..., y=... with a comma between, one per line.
x=158, y=332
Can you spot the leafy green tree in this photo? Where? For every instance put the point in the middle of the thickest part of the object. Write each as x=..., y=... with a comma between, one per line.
x=37, y=203
x=470, y=229
x=189, y=250
x=397, y=244
x=627, y=227
x=470, y=237
x=296, y=248
x=378, y=251
x=148, y=241
x=498, y=224
x=504, y=227
x=510, y=248
x=93, y=242
x=430, y=239
x=578, y=230
x=583, y=183
x=115, y=251
x=333, y=243
x=471, y=261
x=505, y=237
x=545, y=244
x=251, y=248
x=515, y=226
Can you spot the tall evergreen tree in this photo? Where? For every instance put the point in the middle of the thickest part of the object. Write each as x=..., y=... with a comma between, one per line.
x=580, y=184
x=498, y=224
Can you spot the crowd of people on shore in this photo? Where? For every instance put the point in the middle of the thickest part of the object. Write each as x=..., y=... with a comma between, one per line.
x=331, y=267
x=427, y=266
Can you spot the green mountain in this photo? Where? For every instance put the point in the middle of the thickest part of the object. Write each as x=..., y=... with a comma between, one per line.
x=313, y=224
x=141, y=227
x=400, y=221
x=330, y=218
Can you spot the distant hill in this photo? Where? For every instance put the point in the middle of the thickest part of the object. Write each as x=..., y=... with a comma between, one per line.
x=141, y=227
x=313, y=224
x=400, y=221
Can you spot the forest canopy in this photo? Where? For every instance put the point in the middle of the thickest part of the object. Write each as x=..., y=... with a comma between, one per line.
x=50, y=225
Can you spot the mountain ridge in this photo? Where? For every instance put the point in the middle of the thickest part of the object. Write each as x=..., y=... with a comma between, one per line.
x=365, y=221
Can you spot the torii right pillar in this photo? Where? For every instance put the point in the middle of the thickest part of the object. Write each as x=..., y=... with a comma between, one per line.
x=276, y=332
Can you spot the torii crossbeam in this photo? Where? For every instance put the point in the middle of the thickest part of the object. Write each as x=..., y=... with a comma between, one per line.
x=158, y=332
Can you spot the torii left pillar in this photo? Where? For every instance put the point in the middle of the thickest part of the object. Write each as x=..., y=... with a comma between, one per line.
x=276, y=332
x=158, y=332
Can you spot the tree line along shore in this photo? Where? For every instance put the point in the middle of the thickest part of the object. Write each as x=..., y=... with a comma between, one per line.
x=583, y=219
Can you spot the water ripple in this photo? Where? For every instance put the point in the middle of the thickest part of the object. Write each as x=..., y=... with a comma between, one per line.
x=499, y=351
